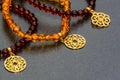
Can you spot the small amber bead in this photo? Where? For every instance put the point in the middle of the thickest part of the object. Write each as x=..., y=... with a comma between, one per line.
x=21, y=34
x=28, y=37
x=34, y=36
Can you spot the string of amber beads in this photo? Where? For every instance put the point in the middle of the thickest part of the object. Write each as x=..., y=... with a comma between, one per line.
x=34, y=37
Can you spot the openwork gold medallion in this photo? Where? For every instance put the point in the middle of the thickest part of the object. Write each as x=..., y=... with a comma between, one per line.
x=75, y=41
x=15, y=64
x=100, y=19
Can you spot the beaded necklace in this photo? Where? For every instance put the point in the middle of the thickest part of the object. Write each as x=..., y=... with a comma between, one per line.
x=15, y=63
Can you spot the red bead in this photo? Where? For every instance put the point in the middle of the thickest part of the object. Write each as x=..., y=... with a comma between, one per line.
x=74, y=13
x=61, y=13
x=27, y=12
x=86, y=11
x=34, y=19
x=68, y=13
x=36, y=4
x=42, y=6
x=21, y=11
x=54, y=11
x=13, y=48
x=31, y=2
x=5, y=53
x=47, y=9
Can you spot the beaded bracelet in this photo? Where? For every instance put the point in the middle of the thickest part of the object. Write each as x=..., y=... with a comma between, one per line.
x=98, y=18
x=76, y=41
x=17, y=63
x=73, y=41
x=41, y=37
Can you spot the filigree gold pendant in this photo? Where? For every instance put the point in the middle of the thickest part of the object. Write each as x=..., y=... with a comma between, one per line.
x=15, y=64
x=99, y=18
x=75, y=41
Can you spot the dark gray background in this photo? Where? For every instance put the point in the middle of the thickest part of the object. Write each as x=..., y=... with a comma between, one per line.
x=98, y=60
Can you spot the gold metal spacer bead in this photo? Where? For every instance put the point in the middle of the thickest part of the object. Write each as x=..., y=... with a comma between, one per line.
x=90, y=10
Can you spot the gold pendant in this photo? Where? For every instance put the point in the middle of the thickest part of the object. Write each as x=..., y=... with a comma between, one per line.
x=14, y=63
x=99, y=18
x=75, y=41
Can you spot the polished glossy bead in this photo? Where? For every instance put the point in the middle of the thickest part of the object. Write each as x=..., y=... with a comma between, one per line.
x=68, y=13
x=36, y=4
x=61, y=13
x=85, y=11
x=13, y=48
x=5, y=53
x=42, y=6
x=21, y=11
x=74, y=13
x=54, y=11
x=47, y=9
x=27, y=12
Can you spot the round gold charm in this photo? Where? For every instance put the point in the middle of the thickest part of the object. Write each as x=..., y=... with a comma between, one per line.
x=75, y=41
x=100, y=19
x=15, y=64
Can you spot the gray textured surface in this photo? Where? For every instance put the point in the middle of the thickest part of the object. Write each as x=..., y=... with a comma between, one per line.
x=98, y=60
